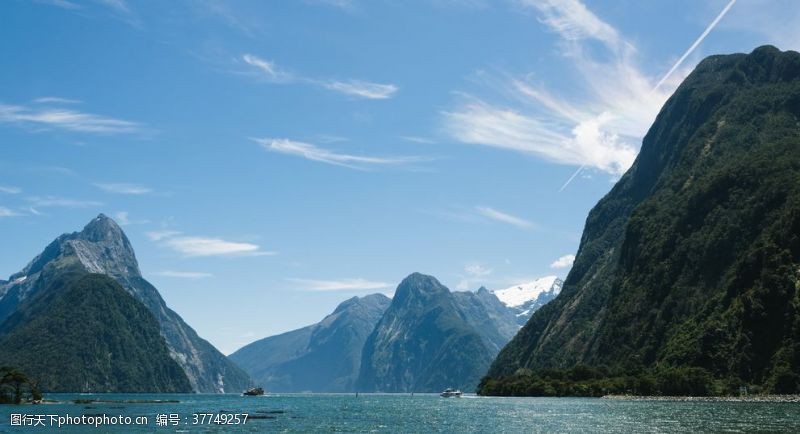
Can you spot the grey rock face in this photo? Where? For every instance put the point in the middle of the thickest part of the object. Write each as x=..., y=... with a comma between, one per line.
x=102, y=247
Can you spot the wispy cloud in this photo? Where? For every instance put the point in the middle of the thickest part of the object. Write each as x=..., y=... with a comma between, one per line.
x=65, y=119
x=118, y=5
x=602, y=128
x=475, y=274
x=64, y=4
x=315, y=153
x=62, y=202
x=345, y=5
x=55, y=100
x=184, y=274
x=563, y=262
x=357, y=284
x=270, y=71
x=205, y=246
x=362, y=89
x=123, y=188
x=418, y=139
x=160, y=235
x=6, y=212
x=503, y=217
x=477, y=270
x=10, y=189
x=123, y=218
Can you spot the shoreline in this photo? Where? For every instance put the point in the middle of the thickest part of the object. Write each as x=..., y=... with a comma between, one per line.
x=750, y=398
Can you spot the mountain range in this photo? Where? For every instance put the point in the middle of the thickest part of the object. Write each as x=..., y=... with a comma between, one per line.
x=321, y=357
x=424, y=339
x=688, y=270
x=100, y=260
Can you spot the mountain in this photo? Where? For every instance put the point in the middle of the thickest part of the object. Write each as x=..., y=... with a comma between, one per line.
x=324, y=357
x=102, y=248
x=423, y=343
x=527, y=298
x=494, y=321
x=84, y=332
x=691, y=263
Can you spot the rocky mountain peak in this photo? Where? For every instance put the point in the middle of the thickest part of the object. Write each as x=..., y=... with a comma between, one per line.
x=102, y=229
x=418, y=285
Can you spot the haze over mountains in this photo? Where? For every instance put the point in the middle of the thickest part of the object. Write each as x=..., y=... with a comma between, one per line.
x=102, y=248
x=423, y=340
x=80, y=317
x=691, y=261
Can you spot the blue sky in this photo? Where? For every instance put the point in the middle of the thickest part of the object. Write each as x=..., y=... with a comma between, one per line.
x=269, y=159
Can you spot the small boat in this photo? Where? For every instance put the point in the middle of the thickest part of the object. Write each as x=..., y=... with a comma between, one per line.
x=256, y=391
x=451, y=393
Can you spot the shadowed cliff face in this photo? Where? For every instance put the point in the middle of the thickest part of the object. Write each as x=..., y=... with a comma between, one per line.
x=423, y=343
x=692, y=258
x=102, y=248
x=324, y=357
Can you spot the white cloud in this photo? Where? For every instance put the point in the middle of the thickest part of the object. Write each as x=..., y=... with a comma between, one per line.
x=357, y=284
x=270, y=71
x=315, y=153
x=55, y=100
x=70, y=120
x=563, y=262
x=53, y=201
x=160, y=235
x=346, y=5
x=420, y=140
x=117, y=5
x=599, y=129
x=184, y=274
x=123, y=188
x=503, y=217
x=6, y=212
x=123, y=219
x=10, y=189
x=205, y=246
x=477, y=270
x=475, y=274
x=64, y=4
x=573, y=21
x=363, y=89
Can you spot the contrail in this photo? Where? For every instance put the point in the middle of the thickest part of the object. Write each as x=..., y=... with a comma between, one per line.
x=696, y=43
x=674, y=67
x=571, y=178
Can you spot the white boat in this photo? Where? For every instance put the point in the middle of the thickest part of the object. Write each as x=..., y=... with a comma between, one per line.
x=451, y=393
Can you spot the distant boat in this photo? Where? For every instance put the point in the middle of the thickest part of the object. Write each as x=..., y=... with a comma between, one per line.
x=451, y=393
x=256, y=391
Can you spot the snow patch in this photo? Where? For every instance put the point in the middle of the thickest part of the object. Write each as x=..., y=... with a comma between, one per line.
x=518, y=295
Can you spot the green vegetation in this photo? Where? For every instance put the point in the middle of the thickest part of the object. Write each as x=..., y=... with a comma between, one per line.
x=85, y=333
x=583, y=380
x=688, y=272
x=438, y=347
x=16, y=387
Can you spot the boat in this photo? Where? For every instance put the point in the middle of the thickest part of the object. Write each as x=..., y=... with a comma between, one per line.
x=450, y=393
x=256, y=391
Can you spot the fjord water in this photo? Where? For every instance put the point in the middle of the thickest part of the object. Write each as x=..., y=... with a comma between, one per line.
x=303, y=413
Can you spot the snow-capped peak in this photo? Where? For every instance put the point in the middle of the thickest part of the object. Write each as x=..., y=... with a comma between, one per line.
x=518, y=295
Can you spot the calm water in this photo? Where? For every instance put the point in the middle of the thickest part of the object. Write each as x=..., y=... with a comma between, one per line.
x=418, y=414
